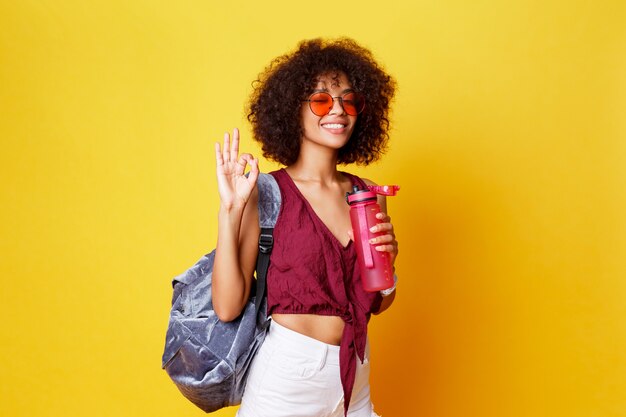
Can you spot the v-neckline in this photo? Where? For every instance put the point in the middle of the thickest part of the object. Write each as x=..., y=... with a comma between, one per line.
x=309, y=207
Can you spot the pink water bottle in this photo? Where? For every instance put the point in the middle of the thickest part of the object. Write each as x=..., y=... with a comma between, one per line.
x=376, y=268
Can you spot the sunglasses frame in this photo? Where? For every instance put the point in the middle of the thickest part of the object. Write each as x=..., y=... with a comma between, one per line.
x=340, y=98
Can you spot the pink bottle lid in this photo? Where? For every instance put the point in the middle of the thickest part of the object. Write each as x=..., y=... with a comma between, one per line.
x=357, y=195
x=389, y=190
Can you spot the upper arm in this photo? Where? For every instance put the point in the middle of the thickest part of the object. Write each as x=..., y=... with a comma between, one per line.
x=249, y=238
x=382, y=199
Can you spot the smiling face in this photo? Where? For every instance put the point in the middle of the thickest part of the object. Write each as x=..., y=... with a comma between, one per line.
x=332, y=130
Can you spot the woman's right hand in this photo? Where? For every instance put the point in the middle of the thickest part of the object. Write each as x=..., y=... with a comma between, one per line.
x=234, y=187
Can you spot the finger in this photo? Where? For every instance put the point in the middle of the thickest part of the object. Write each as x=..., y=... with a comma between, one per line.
x=382, y=239
x=385, y=248
x=382, y=227
x=383, y=217
x=234, y=152
x=242, y=161
x=218, y=155
x=254, y=171
x=226, y=150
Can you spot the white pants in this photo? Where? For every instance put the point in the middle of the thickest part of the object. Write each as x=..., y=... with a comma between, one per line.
x=294, y=375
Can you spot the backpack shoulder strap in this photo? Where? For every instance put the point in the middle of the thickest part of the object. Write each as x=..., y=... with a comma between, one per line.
x=269, y=207
x=269, y=200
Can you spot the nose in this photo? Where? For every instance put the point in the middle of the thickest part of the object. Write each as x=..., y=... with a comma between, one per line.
x=337, y=106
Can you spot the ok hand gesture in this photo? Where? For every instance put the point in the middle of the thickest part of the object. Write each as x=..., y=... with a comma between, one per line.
x=234, y=187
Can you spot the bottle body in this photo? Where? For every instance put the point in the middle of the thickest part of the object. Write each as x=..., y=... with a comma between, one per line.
x=375, y=266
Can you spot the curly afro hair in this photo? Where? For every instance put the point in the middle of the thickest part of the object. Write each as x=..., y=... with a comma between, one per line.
x=274, y=106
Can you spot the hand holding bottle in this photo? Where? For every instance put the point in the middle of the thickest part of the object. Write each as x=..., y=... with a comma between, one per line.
x=371, y=227
x=385, y=242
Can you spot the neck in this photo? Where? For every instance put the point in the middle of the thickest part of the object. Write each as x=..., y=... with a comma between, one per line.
x=315, y=164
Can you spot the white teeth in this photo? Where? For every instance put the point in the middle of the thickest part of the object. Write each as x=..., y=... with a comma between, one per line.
x=334, y=125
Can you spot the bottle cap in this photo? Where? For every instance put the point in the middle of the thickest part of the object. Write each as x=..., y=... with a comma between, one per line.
x=357, y=195
x=389, y=190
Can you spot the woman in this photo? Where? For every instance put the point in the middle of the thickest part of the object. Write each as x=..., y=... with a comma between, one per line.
x=325, y=104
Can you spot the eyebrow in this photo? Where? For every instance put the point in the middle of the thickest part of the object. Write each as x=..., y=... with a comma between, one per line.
x=325, y=90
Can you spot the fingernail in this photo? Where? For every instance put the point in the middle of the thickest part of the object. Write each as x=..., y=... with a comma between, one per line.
x=373, y=229
x=372, y=240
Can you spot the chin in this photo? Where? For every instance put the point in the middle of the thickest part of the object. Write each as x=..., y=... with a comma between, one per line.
x=334, y=140
x=336, y=143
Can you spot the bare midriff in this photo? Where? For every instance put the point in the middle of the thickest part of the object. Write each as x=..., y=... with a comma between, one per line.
x=327, y=329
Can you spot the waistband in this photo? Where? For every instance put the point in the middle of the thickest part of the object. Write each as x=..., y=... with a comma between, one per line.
x=305, y=345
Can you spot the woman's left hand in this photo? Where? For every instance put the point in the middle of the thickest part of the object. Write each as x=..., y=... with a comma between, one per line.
x=386, y=242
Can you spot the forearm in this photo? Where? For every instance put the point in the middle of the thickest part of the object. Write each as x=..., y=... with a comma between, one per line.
x=386, y=303
x=229, y=285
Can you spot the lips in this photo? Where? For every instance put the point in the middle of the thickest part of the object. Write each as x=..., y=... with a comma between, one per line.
x=333, y=125
x=335, y=128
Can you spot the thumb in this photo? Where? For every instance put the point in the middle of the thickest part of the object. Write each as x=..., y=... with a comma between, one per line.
x=254, y=171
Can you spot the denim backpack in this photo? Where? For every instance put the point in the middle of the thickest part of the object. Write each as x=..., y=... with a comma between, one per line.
x=208, y=359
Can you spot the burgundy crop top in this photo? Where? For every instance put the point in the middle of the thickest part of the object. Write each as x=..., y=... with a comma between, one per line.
x=311, y=272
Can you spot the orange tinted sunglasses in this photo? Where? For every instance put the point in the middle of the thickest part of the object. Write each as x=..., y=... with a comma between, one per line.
x=321, y=103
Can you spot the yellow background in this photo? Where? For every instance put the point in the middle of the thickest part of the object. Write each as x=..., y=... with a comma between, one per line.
x=509, y=142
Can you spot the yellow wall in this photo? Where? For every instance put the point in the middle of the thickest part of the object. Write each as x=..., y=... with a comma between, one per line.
x=509, y=142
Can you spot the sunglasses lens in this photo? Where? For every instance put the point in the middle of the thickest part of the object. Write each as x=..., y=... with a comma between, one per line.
x=321, y=103
x=353, y=103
